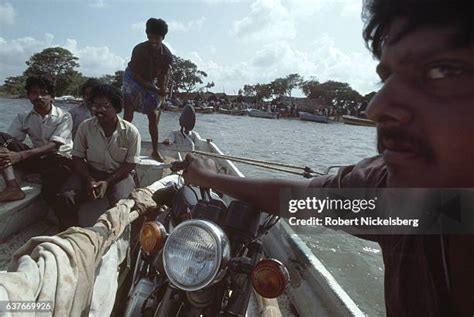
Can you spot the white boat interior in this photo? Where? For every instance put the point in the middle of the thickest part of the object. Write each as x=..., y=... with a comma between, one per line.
x=312, y=291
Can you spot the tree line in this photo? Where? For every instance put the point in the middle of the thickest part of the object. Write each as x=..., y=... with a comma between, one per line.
x=61, y=65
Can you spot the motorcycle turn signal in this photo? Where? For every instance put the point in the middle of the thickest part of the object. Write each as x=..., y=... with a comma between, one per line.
x=270, y=278
x=152, y=236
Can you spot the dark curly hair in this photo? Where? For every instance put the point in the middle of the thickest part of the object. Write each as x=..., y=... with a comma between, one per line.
x=42, y=82
x=156, y=27
x=110, y=92
x=91, y=82
x=379, y=14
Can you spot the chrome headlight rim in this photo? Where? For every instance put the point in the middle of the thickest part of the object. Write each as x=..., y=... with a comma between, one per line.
x=222, y=252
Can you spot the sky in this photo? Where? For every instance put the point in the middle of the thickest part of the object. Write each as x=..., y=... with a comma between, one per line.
x=235, y=42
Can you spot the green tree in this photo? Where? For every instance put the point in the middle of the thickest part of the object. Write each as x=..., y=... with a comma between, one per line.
x=367, y=98
x=284, y=86
x=294, y=81
x=55, y=62
x=118, y=79
x=15, y=85
x=333, y=94
x=74, y=81
x=249, y=91
x=263, y=91
x=185, y=75
x=114, y=80
x=279, y=87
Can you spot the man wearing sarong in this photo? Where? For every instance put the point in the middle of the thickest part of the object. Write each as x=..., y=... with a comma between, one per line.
x=49, y=129
x=146, y=78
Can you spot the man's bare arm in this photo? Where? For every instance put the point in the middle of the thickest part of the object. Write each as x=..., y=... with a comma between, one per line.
x=8, y=158
x=263, y=193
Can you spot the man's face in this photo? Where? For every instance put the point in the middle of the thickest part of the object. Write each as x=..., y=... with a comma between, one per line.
x=425, y=109
x=40, y=98
x=154, y=40
x=103, y=110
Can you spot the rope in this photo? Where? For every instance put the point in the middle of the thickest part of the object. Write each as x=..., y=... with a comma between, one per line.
x=307, y=172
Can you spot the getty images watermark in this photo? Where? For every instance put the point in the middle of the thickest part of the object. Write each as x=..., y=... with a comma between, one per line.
x=328, y=205
x=382, y=211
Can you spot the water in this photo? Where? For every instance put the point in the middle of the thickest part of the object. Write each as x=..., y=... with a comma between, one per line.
x=356, y=264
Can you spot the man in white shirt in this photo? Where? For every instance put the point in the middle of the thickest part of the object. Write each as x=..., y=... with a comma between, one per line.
x=49, y=129
x=106, y=150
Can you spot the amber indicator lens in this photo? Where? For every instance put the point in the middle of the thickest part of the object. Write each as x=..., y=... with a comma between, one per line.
x=152, y=236
x=270, y=278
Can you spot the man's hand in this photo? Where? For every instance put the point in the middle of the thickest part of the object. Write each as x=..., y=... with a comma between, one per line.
x=8, y=158
x=90, y=188
x=101, y=189
x=97, y=190
x=198, y=170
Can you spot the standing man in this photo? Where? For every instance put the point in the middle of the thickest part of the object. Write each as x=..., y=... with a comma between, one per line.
x=146, y=78
x=106, y=150
x=83, y=111
x=425, y=136
x=49, y=129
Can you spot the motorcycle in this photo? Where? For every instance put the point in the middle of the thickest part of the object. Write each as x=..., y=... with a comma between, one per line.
x=201, y=257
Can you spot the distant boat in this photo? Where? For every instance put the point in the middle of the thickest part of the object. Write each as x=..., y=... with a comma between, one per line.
x=204, y=109
x=67, y=100
x=358, y=121
x=233, y=112
x=306, y=116
x=262, y=114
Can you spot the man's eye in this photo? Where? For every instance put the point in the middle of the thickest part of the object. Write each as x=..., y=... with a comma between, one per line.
x=443, y=71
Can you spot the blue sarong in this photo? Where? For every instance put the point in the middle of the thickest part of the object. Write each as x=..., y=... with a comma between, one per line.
x=141, y=99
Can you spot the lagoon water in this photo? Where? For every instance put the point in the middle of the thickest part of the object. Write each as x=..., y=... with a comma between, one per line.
x=356, y=264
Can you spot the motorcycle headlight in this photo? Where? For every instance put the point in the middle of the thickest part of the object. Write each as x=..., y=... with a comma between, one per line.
x=194, y=254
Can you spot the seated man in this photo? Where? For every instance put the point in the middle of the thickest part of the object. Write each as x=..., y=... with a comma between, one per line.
x=106, y=149
x=184, y=137
x=49, y=129
x=83, y=111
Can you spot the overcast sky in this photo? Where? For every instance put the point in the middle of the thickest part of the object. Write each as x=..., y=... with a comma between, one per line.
x=234, y=42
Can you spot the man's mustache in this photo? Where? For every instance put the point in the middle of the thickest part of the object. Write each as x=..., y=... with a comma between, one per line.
x=39, y=101
x=405, y=139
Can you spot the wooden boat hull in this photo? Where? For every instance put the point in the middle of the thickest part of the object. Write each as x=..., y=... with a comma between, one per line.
x=232, y=112
x=358, y=121
x=262, y=114
x=306, y=116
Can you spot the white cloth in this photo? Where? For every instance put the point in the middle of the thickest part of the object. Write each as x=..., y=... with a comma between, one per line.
x=56, y=126
x=186, y=141
x=105, y=154
x=63, y=268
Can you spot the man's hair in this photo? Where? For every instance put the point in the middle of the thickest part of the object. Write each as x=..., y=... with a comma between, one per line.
x=110, y=92
x=42, y=82
x=91, y=82
x=156, y=27
x=379, y=14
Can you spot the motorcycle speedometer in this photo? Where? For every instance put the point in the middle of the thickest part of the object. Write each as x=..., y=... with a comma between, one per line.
x=194, y=254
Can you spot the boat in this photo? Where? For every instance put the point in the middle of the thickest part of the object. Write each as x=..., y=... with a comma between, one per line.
x=306, y=116
x=358, y=121
x=233, y=112
x=67, y=100
x=21, y=220
x=202, y=109
x=262, y=114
